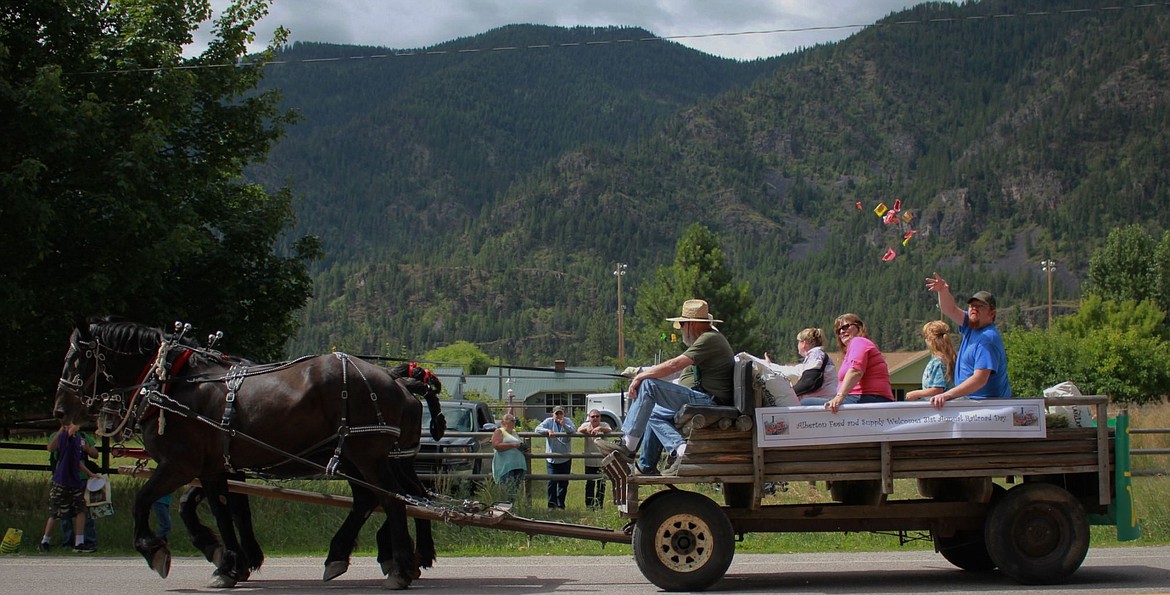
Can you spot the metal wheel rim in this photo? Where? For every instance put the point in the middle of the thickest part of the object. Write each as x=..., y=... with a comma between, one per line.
x=684, y=543
x=1038, y=532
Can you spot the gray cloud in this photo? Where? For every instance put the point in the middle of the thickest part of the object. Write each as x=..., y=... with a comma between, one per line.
x=411, y=24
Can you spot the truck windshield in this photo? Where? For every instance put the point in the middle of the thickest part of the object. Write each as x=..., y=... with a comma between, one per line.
x=458, y=420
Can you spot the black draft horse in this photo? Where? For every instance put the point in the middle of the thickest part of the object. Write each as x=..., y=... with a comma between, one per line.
x=204, y=416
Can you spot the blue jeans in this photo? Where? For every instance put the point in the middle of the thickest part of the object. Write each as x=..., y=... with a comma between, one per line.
x=89, y=536
x=558, y=488
x=512, y=482
x=670, y=397
x=162, y=510
x=651, y=452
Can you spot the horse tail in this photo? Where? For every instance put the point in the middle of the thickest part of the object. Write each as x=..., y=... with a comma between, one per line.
x=438, y=421
x=422, y=382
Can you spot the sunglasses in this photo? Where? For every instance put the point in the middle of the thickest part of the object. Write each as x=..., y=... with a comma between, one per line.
x=594, y=417
x=844, y=327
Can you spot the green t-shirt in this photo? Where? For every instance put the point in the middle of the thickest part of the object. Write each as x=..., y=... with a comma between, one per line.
x=714, y=366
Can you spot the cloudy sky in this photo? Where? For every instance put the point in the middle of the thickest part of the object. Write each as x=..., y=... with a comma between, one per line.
x=412, y=24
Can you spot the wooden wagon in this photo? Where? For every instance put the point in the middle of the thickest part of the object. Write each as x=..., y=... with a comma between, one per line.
x=1032, y=524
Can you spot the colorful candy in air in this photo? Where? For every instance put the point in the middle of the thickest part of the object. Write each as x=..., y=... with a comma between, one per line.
x=891, y=215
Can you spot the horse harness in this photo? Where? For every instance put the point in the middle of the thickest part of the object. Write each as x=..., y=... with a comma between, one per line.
x=156, y=380
x=234, y=380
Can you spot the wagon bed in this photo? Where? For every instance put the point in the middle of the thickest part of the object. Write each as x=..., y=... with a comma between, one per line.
x=1032, y=524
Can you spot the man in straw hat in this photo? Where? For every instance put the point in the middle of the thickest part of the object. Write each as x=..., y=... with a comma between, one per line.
x=981, y=370
x=707, y=367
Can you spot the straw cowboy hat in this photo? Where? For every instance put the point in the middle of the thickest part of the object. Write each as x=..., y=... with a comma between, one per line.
x=694, y=311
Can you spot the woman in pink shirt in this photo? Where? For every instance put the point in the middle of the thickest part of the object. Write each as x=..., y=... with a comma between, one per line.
x=863, y=376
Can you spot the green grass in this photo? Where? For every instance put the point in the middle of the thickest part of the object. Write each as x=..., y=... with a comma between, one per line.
x=288, y=529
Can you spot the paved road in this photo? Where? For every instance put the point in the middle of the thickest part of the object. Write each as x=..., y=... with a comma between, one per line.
x=1106, y=571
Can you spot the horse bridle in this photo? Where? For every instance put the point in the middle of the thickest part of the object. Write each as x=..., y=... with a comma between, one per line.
x=75, y=386
x=111, y=401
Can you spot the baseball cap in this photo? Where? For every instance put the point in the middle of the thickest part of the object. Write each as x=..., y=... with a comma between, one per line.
x=983, y=296
x=558, y=409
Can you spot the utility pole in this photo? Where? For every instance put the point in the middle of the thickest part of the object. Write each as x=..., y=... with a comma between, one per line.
x=619, y=271
x=1049, y=266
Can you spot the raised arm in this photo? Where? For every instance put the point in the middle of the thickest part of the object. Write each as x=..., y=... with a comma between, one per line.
x=946, y=301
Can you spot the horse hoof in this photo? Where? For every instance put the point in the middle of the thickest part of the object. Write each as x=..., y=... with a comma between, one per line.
x=335, y=569
x=160, y=562
x=244, y=575
x=221, y=581
x=395, y=582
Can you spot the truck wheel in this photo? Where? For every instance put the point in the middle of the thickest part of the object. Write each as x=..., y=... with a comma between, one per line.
x=683, y=542
x=1037, y=534
x=967, y=548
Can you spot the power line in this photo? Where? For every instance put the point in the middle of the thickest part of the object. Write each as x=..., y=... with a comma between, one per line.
x=653, y=38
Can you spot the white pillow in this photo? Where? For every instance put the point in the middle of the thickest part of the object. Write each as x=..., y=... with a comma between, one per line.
x=774, y=377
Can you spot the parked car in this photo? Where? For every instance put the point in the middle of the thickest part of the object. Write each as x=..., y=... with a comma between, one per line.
x=462, y=416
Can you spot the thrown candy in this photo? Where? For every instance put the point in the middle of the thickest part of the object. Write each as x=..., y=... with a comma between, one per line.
x=889, y=255
x=880, y=209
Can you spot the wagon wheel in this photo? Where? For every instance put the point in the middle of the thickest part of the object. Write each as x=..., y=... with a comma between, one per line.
x=683, y=542
x=1038, y=533
x=967, y=548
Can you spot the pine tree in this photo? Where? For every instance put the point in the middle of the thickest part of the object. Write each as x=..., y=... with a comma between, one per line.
x=699, y=271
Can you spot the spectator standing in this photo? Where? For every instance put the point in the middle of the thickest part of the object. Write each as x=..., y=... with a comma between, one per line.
x=90, y=533
x=591, y=429
x=554, y=447
x=162, y=510
x=508, y=463
x=67, y=490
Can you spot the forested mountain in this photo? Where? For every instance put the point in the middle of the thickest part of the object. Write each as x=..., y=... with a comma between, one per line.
x=420, y=141
x=486, y=196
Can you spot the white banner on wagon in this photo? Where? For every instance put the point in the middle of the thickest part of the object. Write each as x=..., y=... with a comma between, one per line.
x=914, y=420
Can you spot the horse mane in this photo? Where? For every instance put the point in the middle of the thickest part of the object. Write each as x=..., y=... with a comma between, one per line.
x=126, y=337
x=137, y=339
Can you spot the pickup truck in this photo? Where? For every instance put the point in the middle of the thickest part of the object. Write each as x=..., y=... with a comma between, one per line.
x=611, y=406
x=1032, y=524
x=440, y=459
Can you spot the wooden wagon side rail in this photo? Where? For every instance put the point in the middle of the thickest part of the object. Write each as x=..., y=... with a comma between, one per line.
x=731, y=455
